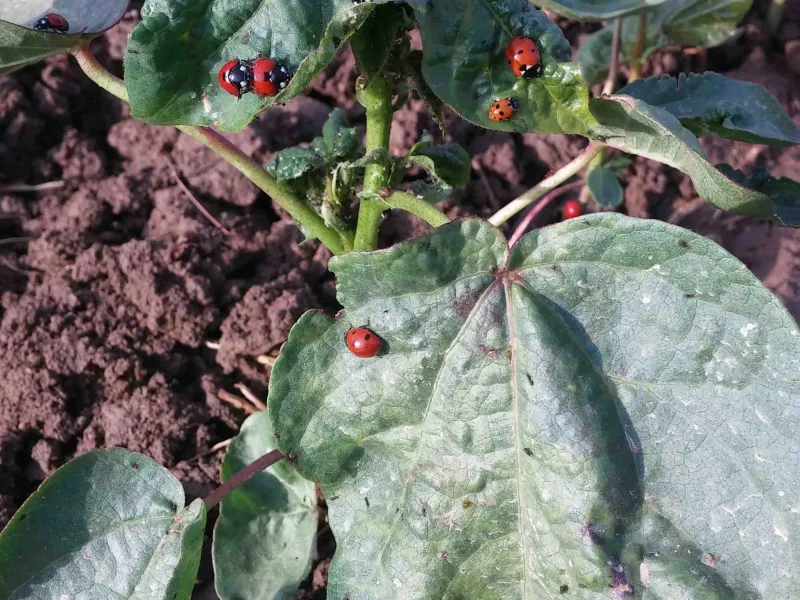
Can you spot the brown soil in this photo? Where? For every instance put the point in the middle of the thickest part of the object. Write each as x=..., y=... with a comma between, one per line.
x=107, y=305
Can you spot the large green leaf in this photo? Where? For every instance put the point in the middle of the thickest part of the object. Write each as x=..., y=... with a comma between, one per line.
x=596, y=10
x=705, y=23
x=712, y=103
x=109, y=524
x=265, y=537
x=636, y=127
x=464, y=64
x=175, y=53
x=604, y=187
x=21, y=45
x=613, y=407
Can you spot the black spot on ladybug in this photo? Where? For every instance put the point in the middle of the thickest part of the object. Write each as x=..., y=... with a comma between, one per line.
x=684, y=244
x=502, y=114
x=563, y=589
x=366, y=501
x=520, y=51
x=528, y=451
x=366, y=337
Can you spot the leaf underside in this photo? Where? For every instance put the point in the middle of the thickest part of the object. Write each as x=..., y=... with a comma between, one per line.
x=609, y=412
x=109, y=524
x=596, y=10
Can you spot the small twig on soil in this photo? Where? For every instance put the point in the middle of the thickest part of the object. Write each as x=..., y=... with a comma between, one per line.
x=485, y=182
x=611, y=82
x=254, y=400
x=194, y=199
x=15, y=240
x=237, y=402
x=240, y=477
x=266, y=360
x=212, y=345
x=636, y=59
x=215, y=448
x=13, y=188
x=537, y=208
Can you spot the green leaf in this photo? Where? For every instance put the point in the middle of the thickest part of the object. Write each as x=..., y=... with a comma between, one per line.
x=293, y=163
x=638, y=128
x=372, y=44
x=109, y=524
x=413, y=69
x=265, y=537
x=21, y=45
x=711, y=103
x=447, y=165
x=339, y=139
x=175, y=53
x=596, y=10
x=618, y=163
x=604, y=187
x=615, y=392
x=706, y=23
x=464, y=64
x=784, y=192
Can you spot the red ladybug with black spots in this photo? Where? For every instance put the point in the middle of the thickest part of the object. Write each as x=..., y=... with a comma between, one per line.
x=52, y=22
x=524, y=58
x=264, y=76
x=362, y=342
x=503, y=109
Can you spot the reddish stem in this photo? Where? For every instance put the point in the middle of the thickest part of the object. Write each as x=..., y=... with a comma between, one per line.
x=537, y=208
x=240, y=477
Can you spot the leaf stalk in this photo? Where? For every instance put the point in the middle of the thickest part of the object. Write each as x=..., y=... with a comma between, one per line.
x=293, y=205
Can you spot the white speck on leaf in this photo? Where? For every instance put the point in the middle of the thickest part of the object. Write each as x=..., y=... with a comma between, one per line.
x=644, y=574
x=780, y=533
x=745, y=331
x=645, y=299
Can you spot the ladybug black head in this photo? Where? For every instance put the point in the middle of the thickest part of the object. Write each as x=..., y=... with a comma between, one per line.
x=41, y=24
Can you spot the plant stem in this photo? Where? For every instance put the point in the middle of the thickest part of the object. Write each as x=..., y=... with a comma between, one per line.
x=417, y=206
x=775, y=16
x=376, y=98
x=537, y=208
x=613, y=69
x=240, y=477
x=293, y=205
x=551, y=183
x=636, y=59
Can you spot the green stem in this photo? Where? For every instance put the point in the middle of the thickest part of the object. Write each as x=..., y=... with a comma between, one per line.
x=775, y=16
x=552, y=182
x=417, y=206
x=376, y=98
x=636, y=59
x=293, y=205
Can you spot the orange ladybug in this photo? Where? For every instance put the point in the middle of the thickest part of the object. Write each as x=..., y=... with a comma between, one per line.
x=524, y=58
x=503, y=109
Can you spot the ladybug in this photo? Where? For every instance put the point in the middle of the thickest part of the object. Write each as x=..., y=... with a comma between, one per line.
x=362, y=342
x=52, y=22
x=572, y=209
x=524, y=58
x=503, y=109
x=236, y=77
x=268, y=77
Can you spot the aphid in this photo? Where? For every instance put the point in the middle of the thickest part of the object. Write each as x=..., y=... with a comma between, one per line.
x=503, y=109
x=572, y=209
x=524, y=58
x=52, y=22
x=362, y=342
